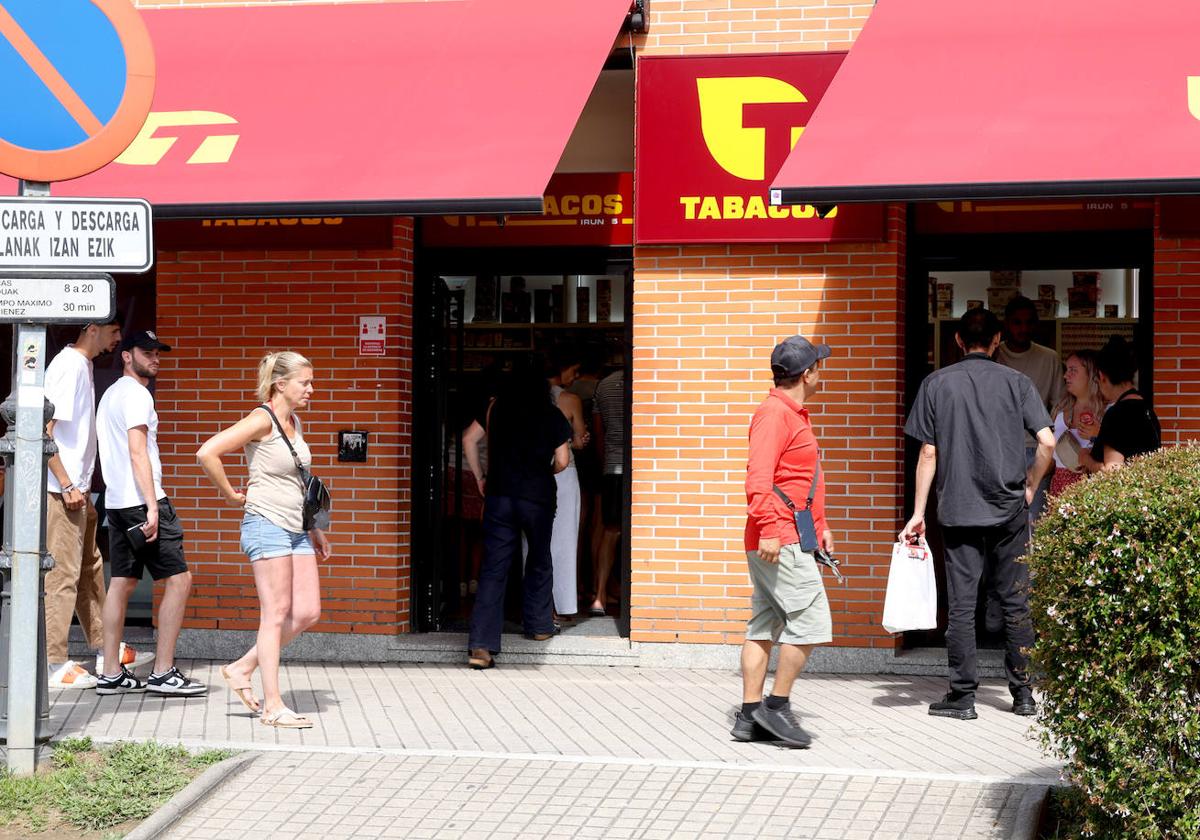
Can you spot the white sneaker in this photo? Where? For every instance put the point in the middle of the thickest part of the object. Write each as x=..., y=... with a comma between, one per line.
x=130, y=657
x=71, y=675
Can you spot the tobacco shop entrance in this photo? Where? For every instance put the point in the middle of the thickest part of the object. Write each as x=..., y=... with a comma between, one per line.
x=481, y=308
x=1086, y=266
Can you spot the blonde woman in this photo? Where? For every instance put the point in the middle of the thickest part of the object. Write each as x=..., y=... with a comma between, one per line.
x=282, y=555
x=1076, y=419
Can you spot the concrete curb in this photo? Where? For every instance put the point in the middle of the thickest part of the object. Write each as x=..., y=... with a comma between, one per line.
x=1029, y=812
x=197, y=790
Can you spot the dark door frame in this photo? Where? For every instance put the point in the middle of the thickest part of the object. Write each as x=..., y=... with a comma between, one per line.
x=429, y=263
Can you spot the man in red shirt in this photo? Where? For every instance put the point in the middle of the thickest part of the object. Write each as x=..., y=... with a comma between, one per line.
x=789, y=606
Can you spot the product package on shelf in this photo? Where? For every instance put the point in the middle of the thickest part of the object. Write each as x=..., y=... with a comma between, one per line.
x=1006, y=279
x=487, y=296
x=1046, y=291
x=1081, y=300
x=558, y=303
x=515, y=304
x=583, y=305
x=603, y=299
x=999, y=297
x=1112, y=310
x=542, y=305
x=1046, y=309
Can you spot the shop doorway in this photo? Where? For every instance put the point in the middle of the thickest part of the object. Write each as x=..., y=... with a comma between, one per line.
x=476, y=312
x=1086, y=286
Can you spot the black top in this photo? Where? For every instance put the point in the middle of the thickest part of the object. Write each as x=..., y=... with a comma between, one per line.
x=976, y=412
x=1130, y=427
x=521, y=444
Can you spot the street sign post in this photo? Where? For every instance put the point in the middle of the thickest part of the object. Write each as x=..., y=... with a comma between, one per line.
x=93, y=234
x=78, y=80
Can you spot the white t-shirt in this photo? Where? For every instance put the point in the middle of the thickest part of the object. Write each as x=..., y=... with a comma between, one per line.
x=70, y=386
x=1042, y=365
x=126, y=405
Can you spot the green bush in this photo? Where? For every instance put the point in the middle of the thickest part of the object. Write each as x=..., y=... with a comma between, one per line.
x=1116, y=605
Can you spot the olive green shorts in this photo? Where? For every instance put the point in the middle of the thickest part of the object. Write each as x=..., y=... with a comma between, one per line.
x=789, y=604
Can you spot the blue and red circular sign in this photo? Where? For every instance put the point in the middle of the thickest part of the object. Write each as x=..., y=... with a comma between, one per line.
x=78, y=80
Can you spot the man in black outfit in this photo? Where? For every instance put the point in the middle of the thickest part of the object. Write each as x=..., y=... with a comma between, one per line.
x=971, y=419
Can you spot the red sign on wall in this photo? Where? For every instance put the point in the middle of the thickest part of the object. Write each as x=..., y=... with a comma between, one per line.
x=580, y=209
x=711, y=134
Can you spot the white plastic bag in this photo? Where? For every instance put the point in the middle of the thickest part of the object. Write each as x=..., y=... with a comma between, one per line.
x=911, y=600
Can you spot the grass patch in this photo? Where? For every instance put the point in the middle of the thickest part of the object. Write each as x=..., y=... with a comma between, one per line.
x=93, y=789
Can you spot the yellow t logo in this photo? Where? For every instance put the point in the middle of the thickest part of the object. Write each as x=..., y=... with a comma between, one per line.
x=1194, y=96
x=741, y=151
x=147, y=150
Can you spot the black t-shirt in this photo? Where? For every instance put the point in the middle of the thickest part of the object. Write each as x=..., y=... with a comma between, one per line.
x=1130, y=427
x=521, y=444
x=976, y=412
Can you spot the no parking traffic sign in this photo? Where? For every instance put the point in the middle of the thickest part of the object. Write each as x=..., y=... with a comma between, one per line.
x=78, y=80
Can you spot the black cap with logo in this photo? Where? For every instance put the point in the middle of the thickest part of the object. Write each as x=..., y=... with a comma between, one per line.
x=145, y=340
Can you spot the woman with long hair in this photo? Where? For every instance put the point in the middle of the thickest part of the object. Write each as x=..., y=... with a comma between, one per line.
x=1130, y=426
x=283, y=556
x=1076, y=415
x=529, y=440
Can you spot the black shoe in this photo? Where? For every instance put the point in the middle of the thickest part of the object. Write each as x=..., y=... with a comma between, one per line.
x=480, y=659
x=174, y=683
x=957, y=706
x=1024, y=704
x=745, y=729
x=782, y=724
x=122, y=683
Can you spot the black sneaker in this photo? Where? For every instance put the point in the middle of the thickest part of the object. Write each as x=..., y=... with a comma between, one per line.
x=782, y=724
x=122, y=683
x=957, y=706
x=173, y=682
x=1024, y=704
x=745, y=729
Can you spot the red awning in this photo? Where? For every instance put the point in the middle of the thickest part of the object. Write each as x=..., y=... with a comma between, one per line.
x=434, y=106
x=942, y=99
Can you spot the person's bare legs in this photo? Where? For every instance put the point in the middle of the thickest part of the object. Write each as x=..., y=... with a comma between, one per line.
x=608, y=552
x=170, y=619
x=305, y=612
x=755, y=656
x=113, y=617
x=792, y=659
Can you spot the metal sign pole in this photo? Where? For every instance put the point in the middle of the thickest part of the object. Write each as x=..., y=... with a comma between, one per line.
x=26, y=664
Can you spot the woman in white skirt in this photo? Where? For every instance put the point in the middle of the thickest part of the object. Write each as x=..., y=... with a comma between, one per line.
x=564, y=540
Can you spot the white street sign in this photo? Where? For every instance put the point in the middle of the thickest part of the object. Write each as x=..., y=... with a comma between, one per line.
x=92, y=234
x=66, y=299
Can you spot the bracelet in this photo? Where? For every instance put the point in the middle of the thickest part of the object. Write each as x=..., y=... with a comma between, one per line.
x=68, y=488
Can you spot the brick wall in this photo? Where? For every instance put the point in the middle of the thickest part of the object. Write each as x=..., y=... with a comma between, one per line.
x=221, y=311
x=751, y=26
x=705, y=320
x=1177, y=337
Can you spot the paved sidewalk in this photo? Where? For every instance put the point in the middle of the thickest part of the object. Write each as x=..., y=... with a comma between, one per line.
x=582, y=751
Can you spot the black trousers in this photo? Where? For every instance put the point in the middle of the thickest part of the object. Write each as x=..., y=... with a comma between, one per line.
x=996, y=552
x=505, y=519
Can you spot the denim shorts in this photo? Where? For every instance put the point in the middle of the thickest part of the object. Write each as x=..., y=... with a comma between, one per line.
x=262, y=539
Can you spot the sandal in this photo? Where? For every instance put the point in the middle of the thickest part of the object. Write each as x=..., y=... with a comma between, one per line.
x=245, y=693
x=285, y=718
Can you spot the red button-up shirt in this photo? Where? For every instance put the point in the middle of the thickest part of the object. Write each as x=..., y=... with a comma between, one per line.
x=783, y=451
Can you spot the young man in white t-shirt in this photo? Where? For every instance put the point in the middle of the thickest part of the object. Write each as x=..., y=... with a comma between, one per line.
x=143, y=531
x=76, y=583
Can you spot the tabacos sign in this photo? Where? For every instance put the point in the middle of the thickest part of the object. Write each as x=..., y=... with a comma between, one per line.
x=577, y=209
x=712, y=132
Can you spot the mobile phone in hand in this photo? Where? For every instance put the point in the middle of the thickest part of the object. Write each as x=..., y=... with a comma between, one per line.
x=136, y=536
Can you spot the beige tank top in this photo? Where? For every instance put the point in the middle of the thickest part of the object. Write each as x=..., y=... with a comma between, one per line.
x=274, y=491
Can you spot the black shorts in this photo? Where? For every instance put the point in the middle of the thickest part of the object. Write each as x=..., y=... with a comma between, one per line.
x=612, y=500
x=163, y=557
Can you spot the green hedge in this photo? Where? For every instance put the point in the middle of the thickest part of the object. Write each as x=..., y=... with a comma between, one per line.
x=1116, y=604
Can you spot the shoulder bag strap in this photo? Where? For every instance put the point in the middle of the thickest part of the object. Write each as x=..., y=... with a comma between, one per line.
x=286, y=442
x=812, y=491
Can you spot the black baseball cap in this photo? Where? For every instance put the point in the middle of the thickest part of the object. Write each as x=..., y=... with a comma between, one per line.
x=146, y=340
x=793, y=356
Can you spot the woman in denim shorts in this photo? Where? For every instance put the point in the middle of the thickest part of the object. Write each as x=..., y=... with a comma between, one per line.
x=282, y=554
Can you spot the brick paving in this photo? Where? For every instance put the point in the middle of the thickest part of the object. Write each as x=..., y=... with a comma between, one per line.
x=585, y=751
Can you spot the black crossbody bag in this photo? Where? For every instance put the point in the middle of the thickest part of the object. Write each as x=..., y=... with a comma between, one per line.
x=806, y=528
x=316, y=496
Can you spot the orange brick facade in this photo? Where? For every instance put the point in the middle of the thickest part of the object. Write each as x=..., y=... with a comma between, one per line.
x=704, y=321
x=221, y=311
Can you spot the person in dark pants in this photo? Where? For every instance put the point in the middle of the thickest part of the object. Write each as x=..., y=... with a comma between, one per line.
x=971, y=419
x=529, y=440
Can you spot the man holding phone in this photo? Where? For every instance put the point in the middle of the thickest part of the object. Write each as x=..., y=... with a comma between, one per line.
x=788, y=606
x=143, y=531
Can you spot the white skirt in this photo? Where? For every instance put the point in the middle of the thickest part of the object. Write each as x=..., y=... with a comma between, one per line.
x=564, y=542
